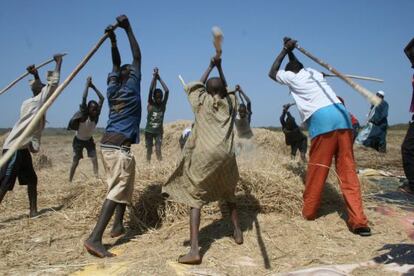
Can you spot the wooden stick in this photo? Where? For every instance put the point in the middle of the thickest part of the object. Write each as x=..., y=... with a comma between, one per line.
x=217, y=40
x=355, y=77
x=182, y=80
x=31, y=127
x=371, y=97
x=10, y=85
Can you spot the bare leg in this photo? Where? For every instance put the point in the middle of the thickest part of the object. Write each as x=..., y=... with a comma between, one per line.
x=148, y=144
x=149, y=153
x=32, y=193
x=95, y=166
x=303, y=156
x=3, y=191
x=238, y=233
x=193, y=257
x=94, y=243
x=158, y=144
x=75, y=163
x=158, y=152
x=118, y=227
x=292, y=152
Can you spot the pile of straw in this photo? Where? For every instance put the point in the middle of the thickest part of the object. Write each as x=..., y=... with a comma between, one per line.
x=269, y=180
x=41, y=160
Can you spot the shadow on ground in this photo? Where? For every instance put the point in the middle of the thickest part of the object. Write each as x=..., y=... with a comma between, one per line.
x=332, y=202
x=41, y=212
x=298, y=169
x=145, y=214
x=223, y=227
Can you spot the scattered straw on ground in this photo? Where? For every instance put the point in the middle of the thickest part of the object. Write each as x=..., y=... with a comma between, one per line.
x=269, y=197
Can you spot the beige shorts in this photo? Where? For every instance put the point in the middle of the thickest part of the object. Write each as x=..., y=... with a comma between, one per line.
x=119, y=168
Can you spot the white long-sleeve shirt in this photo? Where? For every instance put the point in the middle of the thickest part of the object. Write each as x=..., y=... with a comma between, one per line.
x=28, y=111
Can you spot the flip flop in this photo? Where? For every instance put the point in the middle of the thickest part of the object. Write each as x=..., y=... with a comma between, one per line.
x=362, y=231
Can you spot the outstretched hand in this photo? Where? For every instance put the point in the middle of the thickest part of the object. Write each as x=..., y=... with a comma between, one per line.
x=32, y=69
x=123, y=21
x=58, y=57
x=89, y=81
x=216, y=61
x=286, y=107
x=110, y=31
x=156, y=73
x=289, y=43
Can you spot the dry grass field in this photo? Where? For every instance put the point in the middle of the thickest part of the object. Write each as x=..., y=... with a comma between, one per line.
x=277, y=239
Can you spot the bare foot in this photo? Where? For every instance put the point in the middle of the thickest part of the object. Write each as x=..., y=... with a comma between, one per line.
x=238, y=236
x=191, y=258
x=117, y=231
x=97, y=249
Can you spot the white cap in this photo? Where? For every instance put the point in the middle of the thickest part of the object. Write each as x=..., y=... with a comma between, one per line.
x=382, y=93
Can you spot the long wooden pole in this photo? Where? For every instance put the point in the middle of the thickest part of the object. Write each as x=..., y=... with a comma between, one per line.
x=31, y=127
x=181, y=80
x=355, y=77
x=371, y=97
x=10, y=85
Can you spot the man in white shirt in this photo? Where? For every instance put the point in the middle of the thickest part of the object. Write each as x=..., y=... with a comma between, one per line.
x=84, y=122
x=330, y=130
x=20, y=165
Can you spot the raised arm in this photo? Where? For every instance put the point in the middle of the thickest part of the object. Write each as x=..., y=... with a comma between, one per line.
x=276, y=64
x=136, y=52
x=284, y=113
x=166, y=90
x=247, y=99
x=289, y=45
x=53, y=80
x=217, y=62
x=282, y=119
x=210, y=67
x=409, y=51
x=241, y=99
x=58, y=59
x=409, y=46
x=98, y=93
x=153, y=86
x=32, y=70
x=85, y=91
x=116, y=57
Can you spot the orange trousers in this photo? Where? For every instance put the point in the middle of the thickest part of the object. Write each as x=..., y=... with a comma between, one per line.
x=336, y=144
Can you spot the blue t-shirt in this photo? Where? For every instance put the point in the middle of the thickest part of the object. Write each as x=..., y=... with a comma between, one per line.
x=125, y=104
x=327, y=119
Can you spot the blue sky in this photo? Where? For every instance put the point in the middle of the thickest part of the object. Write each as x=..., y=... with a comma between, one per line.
x=356, y=37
